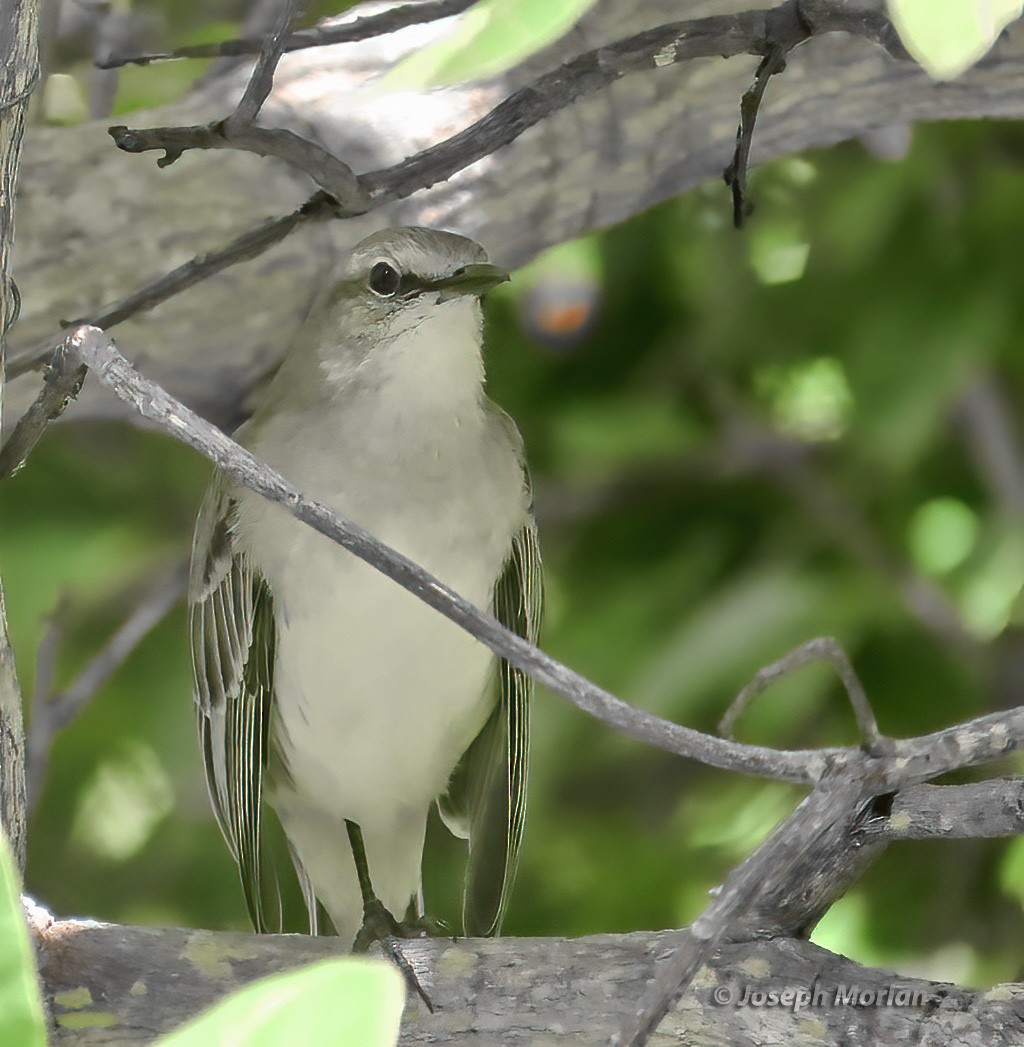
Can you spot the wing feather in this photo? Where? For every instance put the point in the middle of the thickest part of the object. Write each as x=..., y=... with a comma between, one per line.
x=232, y=641
x=488, y=797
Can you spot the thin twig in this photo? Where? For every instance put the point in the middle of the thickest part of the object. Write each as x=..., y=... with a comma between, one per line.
x=330, y=173
x=52, y=714
x=774, y=61
x=820, y=649
x=261, y=82
x=341, y=33
x=61, y=385
x=250, y=244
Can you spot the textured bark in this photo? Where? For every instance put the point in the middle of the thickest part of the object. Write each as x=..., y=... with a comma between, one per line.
x=123, y=985
x=18, y=71
x=95, y=222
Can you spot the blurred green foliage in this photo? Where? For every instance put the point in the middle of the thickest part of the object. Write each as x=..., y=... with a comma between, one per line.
x=766, y=436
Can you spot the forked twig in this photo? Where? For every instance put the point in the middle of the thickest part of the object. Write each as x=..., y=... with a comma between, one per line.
x=820, y=649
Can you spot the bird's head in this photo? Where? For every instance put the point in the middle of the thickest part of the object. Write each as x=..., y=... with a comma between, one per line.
x=407, y=298
x=399, y=278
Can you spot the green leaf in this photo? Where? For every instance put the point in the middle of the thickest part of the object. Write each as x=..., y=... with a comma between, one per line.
x=21, y=1009
x=357, y=1002
x=948, y=36
x=490, y=37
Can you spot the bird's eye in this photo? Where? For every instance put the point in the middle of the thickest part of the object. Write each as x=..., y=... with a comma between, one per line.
x=384, y=279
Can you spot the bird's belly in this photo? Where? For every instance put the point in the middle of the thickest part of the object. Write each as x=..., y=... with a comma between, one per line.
x=377, y=695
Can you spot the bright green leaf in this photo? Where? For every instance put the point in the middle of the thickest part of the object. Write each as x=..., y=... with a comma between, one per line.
x=942, y=535
x=491, y=37
x=21, y=1011
x=357, y=1002
x=778, y=251
x=949, y=36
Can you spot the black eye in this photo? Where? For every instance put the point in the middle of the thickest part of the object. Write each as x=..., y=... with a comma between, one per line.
x=384, y=279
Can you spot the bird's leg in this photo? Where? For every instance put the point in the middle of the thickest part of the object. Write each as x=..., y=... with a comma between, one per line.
x=379, y=924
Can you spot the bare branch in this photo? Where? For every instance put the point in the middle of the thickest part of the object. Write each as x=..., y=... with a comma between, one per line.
x=736, y=173
x=52, y=714
x=820, y=649
x=61, y=385
x=261, y=82
x=522, y=990
x=745, y=33
x=93, y=347
x=978, y=810
x=820, y=823
x=330, y=173
x=340, y=33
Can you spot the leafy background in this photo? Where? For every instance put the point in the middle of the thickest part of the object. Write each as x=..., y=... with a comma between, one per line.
x=754, y=438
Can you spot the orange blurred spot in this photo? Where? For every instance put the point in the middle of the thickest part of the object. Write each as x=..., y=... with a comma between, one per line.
x=563, y=319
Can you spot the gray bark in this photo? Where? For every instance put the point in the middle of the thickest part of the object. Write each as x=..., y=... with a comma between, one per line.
x=19, y=63
x=124, y=985
x=94, y=221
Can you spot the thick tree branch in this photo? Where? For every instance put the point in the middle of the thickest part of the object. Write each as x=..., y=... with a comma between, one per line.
x=133, y=984
x=19, y=73
x=768, y=880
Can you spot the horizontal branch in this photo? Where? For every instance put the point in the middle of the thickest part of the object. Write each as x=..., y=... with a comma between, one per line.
x=141, y=982
x=978, y=810
x=330, y=173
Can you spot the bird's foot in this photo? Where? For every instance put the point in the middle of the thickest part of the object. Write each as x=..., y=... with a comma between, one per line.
x=380, y=925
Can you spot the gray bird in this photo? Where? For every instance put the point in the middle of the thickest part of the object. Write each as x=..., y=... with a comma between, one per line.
x=322, y=686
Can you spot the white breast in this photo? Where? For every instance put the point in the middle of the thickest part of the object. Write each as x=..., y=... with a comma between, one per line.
x=378, y=695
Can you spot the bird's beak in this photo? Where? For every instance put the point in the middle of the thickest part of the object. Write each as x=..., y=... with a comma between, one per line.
x=470, y=279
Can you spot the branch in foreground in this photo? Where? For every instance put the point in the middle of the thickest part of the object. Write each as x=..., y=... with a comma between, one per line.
x=916, y=759
x=97, y=351
x=141, y=982
x=343, y=33
x=820, y=827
